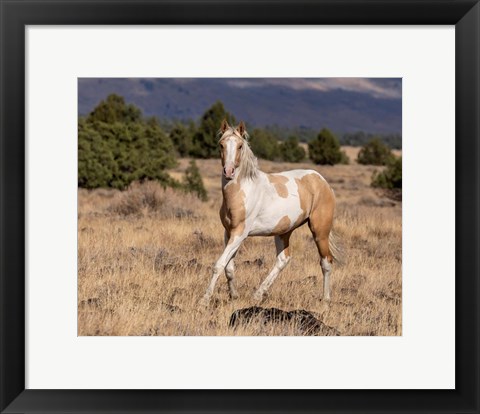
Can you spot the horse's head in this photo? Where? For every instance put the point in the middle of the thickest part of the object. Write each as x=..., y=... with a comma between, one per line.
x=231, y=144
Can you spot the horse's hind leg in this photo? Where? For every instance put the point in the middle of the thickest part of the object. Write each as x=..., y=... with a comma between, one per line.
x=283, y=257
x=230, y=273
x=320, y=226
x=326, y=270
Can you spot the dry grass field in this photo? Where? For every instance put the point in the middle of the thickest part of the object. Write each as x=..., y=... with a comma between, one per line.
x=145, y=257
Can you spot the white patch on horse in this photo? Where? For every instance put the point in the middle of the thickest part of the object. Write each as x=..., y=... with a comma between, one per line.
x=231, y=150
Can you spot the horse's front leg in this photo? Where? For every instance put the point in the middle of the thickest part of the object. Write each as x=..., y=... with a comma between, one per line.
x=230, y=271
x=231, y=249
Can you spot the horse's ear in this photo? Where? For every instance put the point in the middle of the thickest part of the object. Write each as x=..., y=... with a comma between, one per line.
x=241, y=128
x=224, y=126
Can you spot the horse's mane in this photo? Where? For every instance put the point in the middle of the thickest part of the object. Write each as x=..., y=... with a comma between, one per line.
x=248, y=162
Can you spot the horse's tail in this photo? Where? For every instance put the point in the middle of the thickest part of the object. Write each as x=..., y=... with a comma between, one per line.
x=336, y=248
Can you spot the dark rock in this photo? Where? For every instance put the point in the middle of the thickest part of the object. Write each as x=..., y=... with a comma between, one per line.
x=307, y=323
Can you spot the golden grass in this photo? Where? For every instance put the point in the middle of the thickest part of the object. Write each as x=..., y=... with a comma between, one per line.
x=145, y=257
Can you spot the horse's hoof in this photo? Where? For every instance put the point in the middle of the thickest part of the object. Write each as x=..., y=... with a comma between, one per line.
x=325, y=303
x=258, y=296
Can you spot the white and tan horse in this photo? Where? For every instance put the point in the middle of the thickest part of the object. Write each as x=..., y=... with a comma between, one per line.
x=260, y=204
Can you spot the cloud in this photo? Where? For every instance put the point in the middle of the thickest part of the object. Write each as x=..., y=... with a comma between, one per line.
x=376, y=87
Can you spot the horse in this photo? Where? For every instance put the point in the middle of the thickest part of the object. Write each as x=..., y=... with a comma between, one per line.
x=259, y=204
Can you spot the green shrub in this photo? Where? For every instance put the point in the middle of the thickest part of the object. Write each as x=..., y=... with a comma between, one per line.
x=391, y=177
x=181, y=136
x=344, y=158
x=264, y=144
x=116, y=147
x=360, y=138
x=114, y=109
x=325, y=149
x=193, y=183
x=96, y=164
x=375, y=152
x=156, y=155
x=291, y=151
x=205, y=140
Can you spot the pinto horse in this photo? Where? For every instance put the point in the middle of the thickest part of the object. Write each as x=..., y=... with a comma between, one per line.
x=260, y=204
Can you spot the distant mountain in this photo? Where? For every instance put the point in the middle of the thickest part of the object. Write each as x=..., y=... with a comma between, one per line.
x=368, y=105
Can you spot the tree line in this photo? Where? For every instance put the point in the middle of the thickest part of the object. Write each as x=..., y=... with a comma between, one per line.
x=118, y=145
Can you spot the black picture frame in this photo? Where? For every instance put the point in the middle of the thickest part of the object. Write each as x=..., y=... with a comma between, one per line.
x=15, y=15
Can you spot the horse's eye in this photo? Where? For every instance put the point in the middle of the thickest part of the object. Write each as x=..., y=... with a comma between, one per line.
x=240, y=147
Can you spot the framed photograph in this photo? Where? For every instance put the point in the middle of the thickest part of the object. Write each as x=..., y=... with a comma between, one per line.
x=239, y=207
x=332, y=207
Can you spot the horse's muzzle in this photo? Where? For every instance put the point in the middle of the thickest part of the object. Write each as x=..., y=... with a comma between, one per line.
x=229, y=172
